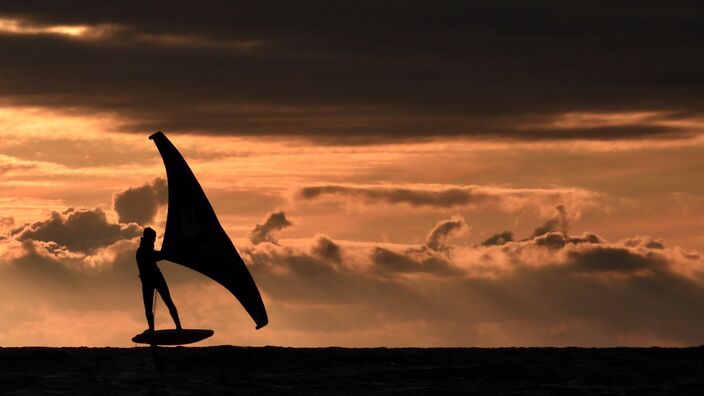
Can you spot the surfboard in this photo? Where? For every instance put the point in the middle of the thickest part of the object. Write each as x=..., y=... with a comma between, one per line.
x=172, y=336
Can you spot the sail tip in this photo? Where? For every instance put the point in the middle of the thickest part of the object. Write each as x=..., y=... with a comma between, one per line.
x=260, y=325
x=155, y=134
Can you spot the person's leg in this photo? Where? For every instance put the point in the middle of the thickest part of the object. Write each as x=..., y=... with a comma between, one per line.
x=148, y=297
x=163, y=290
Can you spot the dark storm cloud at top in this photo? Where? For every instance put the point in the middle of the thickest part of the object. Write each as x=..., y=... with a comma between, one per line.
x=363, y=71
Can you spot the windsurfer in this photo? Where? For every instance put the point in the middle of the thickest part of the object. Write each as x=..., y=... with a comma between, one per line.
x=152, y=279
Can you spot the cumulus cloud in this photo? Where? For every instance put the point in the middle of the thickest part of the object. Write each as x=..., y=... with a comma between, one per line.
x=445, y=229
x=507, y=199
x=390, y=263
x=644, y=240
x=559, y=222
x=140, y=204
x=550, y=289
x=77, y=230
x=74, y=264
x=498, y=238
x=557, y=240
x=325, y=248
x=274, y=221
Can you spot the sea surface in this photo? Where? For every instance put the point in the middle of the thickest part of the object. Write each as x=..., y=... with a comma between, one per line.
x=352, y=371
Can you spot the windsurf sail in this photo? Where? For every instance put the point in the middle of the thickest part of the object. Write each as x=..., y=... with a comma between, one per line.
x=194, y=237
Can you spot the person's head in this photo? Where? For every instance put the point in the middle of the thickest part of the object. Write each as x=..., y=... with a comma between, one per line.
x=148, y=236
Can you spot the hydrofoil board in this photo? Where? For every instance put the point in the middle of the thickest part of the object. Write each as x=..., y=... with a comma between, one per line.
x=172, y=336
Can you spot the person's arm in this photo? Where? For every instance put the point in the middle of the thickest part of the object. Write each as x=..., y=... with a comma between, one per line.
x=158, y=256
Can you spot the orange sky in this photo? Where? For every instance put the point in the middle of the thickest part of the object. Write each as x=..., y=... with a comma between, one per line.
x=53, y=161
x=516, y=219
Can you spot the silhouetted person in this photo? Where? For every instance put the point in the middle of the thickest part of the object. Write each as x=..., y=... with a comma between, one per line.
x=152, y=279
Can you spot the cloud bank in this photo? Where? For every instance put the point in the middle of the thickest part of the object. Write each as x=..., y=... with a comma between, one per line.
x=482, y=70
x=549, y=288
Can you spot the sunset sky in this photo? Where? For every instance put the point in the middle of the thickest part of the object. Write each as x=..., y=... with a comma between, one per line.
x=394, y=174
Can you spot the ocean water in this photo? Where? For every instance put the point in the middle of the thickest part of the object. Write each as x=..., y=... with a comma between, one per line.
x=352, y=371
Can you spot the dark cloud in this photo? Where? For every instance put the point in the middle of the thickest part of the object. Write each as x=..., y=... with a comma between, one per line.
x=646, y=241
x=325, y=248
x=274, y=221
x=390, y=263
x=363, y=73
x=559, y=222
x=557, y=240
x=443, y=230
x=77, y=229
x=504, y=198
x=415, y=197
x=613, y=259
x=140, y=204
x=498, y=238
x=588, y=252
x=553, y=234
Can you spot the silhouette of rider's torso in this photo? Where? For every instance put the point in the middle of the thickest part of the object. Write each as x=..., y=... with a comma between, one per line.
x=146, y=262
